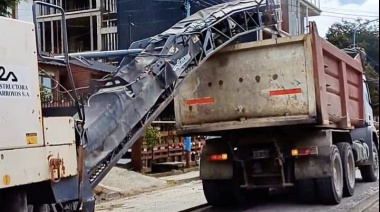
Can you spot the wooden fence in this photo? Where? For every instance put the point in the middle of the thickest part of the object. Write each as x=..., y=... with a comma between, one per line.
x=171, y=149
x=174, y=152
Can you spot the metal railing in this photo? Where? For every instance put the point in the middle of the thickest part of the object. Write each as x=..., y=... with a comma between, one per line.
x=63, y=101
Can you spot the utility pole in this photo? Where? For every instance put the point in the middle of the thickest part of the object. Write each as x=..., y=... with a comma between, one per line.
x=14, y=9
x=131, y=24
x=356, y=28
x=188, y=138
x=187, y=7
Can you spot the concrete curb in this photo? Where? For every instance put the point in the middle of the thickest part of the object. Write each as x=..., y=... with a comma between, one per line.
x=114, y=193
x=182, y=181
x=173, y=173
x=366, y=203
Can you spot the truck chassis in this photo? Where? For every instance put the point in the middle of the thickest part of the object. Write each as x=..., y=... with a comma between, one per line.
x=319, y=163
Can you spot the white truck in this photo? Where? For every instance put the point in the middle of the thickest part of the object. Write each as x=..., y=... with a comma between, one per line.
x=36, y=153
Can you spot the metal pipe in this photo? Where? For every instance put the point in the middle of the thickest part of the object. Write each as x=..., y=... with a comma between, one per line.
x=65, y=59
x=163, y=122
x=356, y=28
x=130, y=29
x=34, y=10
x=188, y=6
x=103, y=54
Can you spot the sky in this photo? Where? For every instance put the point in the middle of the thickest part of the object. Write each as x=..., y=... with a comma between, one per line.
x=336, y=10
x=332, y=11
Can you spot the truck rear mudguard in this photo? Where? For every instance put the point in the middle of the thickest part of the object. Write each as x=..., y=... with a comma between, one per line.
x=221, y=170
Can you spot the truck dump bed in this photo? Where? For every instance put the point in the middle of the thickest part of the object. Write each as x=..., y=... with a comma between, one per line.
x=285, y=81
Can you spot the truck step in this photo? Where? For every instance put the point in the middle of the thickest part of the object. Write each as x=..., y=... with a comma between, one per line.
x=267, y=186
x=266, y=175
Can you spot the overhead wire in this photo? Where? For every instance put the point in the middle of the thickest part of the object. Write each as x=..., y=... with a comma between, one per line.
x=349, y=10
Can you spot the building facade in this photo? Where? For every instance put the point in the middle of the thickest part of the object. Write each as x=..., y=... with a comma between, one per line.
x=103, y=25
x=145, y=18
x=91, y=26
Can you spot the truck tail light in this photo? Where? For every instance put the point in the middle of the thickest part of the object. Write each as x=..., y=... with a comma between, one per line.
x=219, y=157
x=305, y=151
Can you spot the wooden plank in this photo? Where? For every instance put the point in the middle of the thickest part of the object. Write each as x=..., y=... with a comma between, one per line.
x=137, y=155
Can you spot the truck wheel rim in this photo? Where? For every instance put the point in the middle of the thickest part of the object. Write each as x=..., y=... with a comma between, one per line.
x=375, y=162
x=337, y=172
x=351, y=169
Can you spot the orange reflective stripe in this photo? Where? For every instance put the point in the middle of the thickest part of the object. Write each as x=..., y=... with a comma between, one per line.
x=285, y=92
x=201, y=101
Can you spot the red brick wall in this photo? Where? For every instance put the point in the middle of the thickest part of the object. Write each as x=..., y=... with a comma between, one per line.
x=82, y=78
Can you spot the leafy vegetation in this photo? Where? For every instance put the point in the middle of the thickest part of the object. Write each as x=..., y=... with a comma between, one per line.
x=45, y=95
x=6, y=4
x=152, y=136
x=367, y=37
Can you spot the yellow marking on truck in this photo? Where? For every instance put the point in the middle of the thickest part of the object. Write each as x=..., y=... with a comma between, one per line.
x=31, y=138
x=6, y=180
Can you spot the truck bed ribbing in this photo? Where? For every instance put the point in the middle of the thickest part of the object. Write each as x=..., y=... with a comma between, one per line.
x=118, y=113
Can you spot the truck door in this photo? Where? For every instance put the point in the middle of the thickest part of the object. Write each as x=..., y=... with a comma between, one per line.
x=367, y=104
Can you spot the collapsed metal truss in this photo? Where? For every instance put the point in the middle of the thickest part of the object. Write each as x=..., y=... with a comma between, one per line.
x=210, y=37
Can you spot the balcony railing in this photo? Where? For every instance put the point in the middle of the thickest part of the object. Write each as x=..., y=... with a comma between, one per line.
x=109, y=6
x=67, y=5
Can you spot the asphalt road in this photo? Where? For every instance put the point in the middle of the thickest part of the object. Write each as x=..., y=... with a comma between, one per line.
x=189, y=195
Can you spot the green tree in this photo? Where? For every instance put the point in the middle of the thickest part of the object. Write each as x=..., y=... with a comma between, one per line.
x=45, y=95
x=367, y=37
x=6, y=4
x=373, y=86
x=152, y=136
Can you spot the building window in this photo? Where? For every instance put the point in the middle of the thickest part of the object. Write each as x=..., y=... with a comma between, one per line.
x=46, y=82
x=46, y=88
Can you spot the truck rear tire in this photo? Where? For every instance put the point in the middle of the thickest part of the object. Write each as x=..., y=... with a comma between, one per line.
x=13, y=200
x=348, y=164
x=306, y=192
x=258, y=194
x=330, y=189
x=370, y=173
x=220, y=193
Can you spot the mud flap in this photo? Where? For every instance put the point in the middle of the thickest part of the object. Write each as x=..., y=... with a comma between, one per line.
x=216, y=170
x=311, y=167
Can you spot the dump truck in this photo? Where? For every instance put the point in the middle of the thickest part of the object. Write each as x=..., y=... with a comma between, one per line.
x=289, y=112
